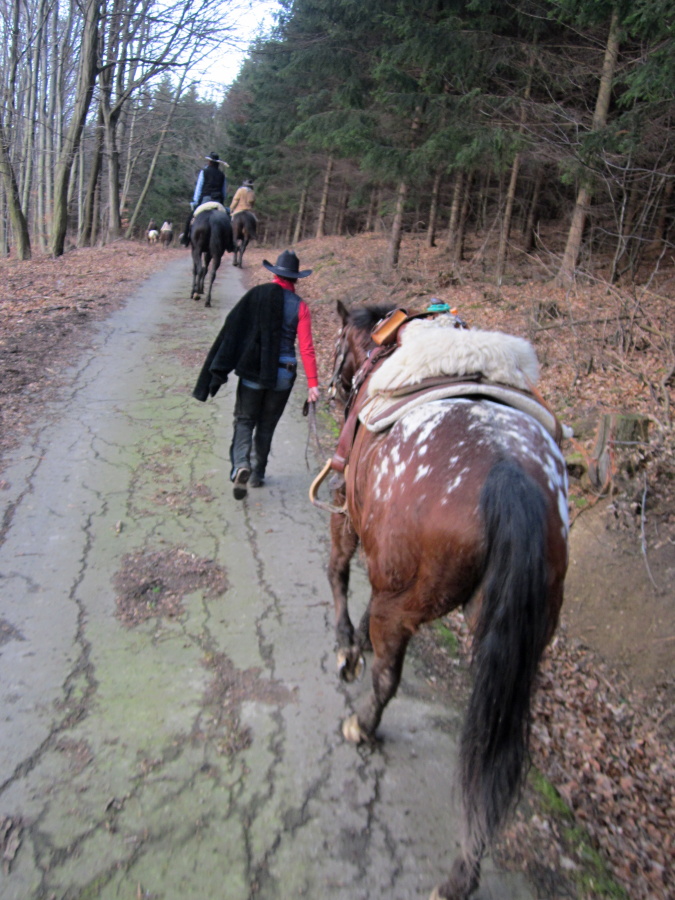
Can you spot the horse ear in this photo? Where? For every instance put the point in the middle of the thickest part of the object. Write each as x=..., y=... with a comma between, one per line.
x=343, y=312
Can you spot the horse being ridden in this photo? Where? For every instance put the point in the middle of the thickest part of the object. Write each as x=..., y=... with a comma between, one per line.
x=166, y=234
x=461, y=502
x=244, y=228
x=210, y=237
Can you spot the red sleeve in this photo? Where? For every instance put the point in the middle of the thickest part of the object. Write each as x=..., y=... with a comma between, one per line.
x=306, y=344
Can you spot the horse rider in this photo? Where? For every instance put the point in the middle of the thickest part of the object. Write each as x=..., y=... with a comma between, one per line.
x=257, y=342
x=244, y=198
x=211, y=186
x=211, y=183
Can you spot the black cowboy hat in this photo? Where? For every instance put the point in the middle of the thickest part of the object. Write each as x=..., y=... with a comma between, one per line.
x=287, y=266
x=213, y=157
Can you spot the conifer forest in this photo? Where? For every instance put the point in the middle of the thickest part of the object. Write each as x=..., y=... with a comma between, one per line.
x=545, y=121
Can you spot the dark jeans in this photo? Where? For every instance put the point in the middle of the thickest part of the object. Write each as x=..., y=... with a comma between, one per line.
x=256, y=414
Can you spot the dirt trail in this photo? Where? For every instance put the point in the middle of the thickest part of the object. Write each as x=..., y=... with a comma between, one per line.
x=169, y=701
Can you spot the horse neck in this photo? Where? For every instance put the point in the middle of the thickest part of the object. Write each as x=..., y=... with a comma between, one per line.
x=360, y=343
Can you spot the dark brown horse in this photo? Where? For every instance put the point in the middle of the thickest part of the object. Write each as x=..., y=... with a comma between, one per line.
x=244, y=229
x=461, y=503
x=210, y=237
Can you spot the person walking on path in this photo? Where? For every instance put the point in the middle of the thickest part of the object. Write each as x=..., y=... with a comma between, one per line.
x=257, y=343
x=244, y=198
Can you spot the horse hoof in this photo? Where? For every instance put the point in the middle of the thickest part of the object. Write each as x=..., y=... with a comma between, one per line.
x=349, y=669
x=351, y=730
x=208, y=303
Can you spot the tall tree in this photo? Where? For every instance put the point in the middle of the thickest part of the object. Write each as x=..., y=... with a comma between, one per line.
x=571, y=254
x=86, y=79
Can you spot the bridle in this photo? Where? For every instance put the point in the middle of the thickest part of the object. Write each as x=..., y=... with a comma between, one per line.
x=341, y=350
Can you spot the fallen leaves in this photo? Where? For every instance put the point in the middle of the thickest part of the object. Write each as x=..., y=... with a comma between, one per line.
x=612, y=763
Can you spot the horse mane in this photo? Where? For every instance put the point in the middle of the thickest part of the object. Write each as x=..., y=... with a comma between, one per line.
x=365, y=317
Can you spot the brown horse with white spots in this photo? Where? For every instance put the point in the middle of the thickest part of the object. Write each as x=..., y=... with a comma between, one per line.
x=461, y=503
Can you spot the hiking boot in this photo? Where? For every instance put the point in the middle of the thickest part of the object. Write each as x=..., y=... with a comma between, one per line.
x=257, y=480
x=240, y=479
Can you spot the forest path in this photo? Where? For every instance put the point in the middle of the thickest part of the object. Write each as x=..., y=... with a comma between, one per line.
x=171, y=712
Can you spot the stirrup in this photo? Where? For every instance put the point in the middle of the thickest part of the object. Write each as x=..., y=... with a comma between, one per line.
x=314, y=487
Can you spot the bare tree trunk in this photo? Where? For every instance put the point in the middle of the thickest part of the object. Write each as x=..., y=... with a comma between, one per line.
x=41, y=205
x=297, y=235
x=660, y=230
x=87, y=230
x=96, y=223
x=321, y=224
x=373, y=207
x=80, y=193
x=433, y=209
x=506, y=221
x=113, y=170
x=3, y=226
x=484, y=180
x=454, y=212
x=569, y=261
x=30, y=124
x=16, y=216
x=511, y=190
x=131, y=160
x=343, y=203
x=397, y=226
x=86, y=79
x=458, y=255
x=531, y=221
x=627, y=211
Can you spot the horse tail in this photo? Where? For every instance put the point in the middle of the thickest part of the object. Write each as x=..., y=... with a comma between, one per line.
x=512, y=631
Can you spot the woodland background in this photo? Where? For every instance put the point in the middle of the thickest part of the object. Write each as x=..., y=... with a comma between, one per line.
x=423, y=117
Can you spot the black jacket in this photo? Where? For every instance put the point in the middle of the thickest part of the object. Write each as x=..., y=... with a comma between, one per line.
x=248, y=343
x=213, y=184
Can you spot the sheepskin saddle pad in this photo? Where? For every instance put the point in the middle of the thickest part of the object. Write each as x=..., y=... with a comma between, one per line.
x=210, y=204
x=490, y=364
x=430, y=348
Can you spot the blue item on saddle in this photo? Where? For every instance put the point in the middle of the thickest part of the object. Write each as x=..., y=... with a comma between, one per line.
x=438, y=306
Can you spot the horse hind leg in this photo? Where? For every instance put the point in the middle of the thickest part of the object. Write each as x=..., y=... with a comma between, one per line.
x=205, y=262
x=196, y=274
x=214, y=268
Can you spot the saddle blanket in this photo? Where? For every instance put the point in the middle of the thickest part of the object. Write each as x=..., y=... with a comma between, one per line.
x=212, y=204
x=382, y=411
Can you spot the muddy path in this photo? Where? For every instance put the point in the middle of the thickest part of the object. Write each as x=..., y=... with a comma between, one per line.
x=169, y=705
